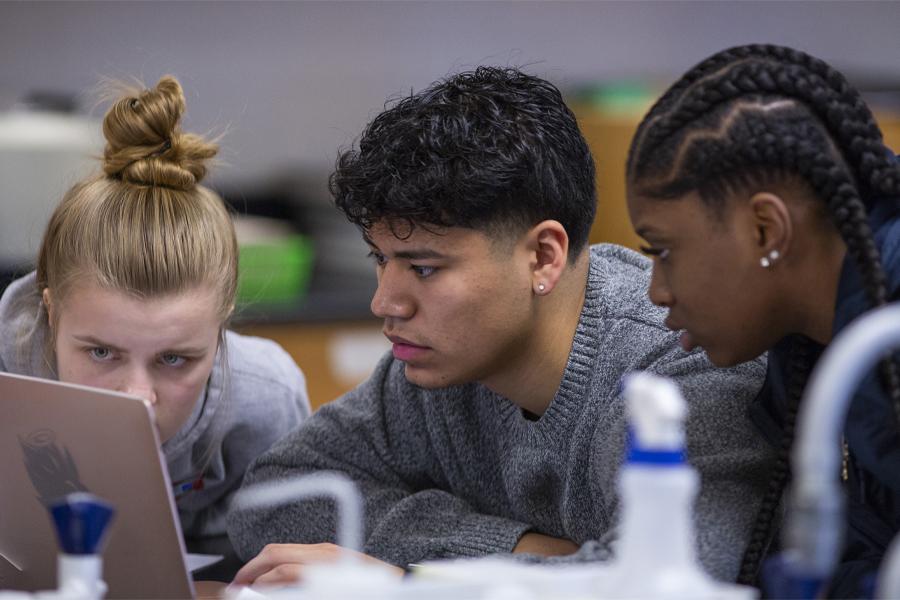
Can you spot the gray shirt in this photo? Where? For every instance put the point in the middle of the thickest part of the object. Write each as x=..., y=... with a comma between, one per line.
x=461, y=472
x=254, y=395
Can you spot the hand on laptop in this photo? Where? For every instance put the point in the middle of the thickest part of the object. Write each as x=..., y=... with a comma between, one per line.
x=283, y=563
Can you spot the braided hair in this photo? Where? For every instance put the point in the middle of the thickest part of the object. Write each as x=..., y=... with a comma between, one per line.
x=760, y=114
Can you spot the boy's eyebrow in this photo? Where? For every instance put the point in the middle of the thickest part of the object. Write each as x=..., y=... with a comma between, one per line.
x=413, y=254
x=424, y=253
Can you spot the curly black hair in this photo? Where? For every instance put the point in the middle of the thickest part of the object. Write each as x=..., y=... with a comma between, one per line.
x=492, y=149
x=760, y=114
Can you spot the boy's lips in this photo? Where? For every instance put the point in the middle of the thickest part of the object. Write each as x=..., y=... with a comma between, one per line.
x=406, y=350
x=396, y=339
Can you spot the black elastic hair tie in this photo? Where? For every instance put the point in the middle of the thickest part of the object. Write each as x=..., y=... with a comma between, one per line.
x=167, y=145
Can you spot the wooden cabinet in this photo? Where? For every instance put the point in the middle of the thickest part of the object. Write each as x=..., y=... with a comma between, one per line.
x=609, y=138
x=335, y=357
x=890, y=126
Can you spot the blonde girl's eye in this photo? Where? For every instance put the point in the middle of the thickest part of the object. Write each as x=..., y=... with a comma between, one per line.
x=172, y=360
x=100, y=354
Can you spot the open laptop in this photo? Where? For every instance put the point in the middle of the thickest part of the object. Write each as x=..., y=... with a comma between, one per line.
x=57, y=438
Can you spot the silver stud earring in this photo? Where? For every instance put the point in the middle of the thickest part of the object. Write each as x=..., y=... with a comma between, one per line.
x=767, y=261
x=541, y=287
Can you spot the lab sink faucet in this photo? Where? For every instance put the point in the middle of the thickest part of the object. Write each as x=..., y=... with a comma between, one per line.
x=815, y=521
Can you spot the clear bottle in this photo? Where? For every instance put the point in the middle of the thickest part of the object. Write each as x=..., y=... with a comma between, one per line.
x=656, y=551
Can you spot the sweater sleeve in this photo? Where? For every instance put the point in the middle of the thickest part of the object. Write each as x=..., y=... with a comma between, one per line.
x=376, y=435
x=732, y=459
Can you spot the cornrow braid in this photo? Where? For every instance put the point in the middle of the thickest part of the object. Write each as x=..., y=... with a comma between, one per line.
x=726, y=58
x=707, y=66
x=792, y=74
x=759, y=114
x=799, y=368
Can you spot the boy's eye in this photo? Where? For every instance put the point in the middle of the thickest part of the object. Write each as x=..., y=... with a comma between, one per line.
x=101, y=354
x=172, y=360
x=378, y=257
x=423, y=271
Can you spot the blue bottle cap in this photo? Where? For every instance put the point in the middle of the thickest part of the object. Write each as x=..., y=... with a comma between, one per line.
x=651, y=456
x=81, y=521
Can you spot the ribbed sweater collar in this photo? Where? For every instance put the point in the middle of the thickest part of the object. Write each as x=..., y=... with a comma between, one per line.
x=572, y=392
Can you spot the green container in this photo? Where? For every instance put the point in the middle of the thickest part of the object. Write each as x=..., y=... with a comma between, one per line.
x=275, y=272
x=624, y=98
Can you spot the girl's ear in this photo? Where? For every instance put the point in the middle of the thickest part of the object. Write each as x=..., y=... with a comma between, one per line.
x=45, y=298
x=548, y=246
x=773, y=224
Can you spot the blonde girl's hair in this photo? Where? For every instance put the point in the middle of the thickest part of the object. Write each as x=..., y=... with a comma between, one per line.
x=144, y=226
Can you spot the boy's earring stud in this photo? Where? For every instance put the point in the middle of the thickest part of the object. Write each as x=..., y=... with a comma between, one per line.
x=767, y=261
x=541, y=287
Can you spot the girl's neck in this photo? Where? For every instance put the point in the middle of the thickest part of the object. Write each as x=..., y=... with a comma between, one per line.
x=816, y=287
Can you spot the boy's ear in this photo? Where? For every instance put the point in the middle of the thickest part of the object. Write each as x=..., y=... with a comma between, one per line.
x=548, y=245
x=773, y=224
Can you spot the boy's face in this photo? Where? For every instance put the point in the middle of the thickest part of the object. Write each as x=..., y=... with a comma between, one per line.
x=457, y=306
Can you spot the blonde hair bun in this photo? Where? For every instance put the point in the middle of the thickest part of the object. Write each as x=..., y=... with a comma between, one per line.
x=145, y=145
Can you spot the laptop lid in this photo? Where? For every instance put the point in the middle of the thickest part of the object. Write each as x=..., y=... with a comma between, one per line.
x=57, y=438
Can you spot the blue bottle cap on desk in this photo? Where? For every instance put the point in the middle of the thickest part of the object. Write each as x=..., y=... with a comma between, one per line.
x=81, y=520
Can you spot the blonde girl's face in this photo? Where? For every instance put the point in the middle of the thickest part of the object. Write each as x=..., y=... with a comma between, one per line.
x=159, y=349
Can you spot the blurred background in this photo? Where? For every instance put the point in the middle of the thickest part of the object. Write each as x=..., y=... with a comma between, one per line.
x=288, y=84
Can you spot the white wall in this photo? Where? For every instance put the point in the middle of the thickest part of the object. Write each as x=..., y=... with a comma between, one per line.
x=293, y=81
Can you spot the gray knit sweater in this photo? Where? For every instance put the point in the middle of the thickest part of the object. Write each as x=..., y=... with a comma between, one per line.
x=460, y=472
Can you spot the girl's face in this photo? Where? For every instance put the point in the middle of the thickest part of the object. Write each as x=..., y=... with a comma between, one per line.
x=706, y=271
x=159, y=349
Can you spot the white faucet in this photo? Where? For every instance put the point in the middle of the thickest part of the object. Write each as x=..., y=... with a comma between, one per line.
x=331, y=484
x=815, y=522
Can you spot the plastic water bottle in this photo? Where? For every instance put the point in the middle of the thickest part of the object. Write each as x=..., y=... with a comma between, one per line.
x=656, y=555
